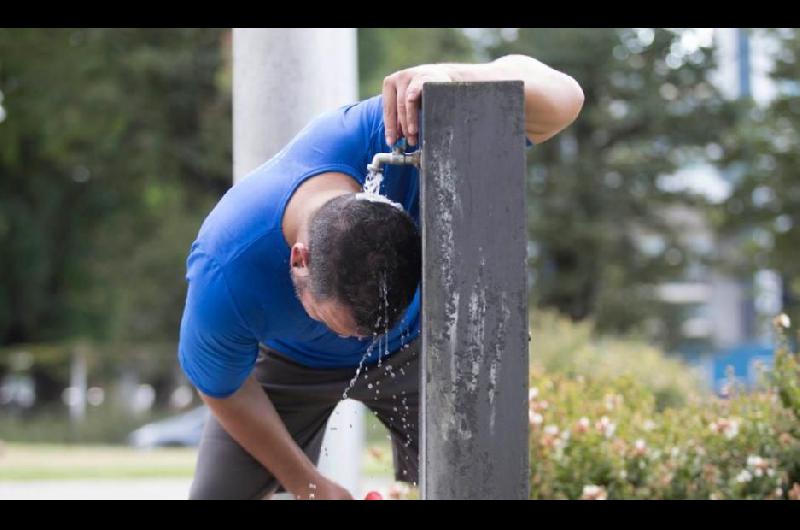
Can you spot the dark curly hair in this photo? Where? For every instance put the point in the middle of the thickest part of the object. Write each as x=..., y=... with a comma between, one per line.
x=366, y=255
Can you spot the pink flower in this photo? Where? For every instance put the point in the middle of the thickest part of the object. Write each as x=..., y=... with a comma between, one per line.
x=594, y=493
x=794, y=493
x=397, y=491
x=582, y=425
x=783, y=321
x=729, y=427
x=539, y=406
x=605, y=426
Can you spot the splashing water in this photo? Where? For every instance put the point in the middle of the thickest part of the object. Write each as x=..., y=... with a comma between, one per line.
x=372, y=184
x=372, y=190
x=381, y=339
x=358, y=370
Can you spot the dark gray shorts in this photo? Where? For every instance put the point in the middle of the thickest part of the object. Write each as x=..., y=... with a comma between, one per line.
x=305, y=398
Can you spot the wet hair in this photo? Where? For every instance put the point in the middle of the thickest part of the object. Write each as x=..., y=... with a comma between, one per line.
x=366, y=255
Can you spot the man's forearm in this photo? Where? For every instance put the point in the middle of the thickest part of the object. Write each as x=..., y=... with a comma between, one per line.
x=553, y=99
x=251, y=419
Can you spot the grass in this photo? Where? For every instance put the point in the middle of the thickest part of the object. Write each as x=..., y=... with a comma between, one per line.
x=29, y=462
x=20, y=461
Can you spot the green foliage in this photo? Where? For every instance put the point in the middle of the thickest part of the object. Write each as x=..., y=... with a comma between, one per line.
x=593, y=189
x=602, y=436
x=382, y=51
x=115, y=144
x=573, y=349
x=786, y=376
x=761, y=156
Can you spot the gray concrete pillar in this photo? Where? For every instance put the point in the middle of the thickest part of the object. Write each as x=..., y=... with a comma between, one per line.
x=474, y=388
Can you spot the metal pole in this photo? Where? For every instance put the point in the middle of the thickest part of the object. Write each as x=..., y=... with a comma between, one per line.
x=474, y=387
x=282, y=79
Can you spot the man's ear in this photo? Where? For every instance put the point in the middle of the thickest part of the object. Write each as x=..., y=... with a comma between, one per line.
x=299, y=259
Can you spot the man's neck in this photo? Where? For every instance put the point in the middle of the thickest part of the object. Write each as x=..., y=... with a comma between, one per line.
x=308, y=198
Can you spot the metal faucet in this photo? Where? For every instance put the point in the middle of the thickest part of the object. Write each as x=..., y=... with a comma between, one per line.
x=397, y=156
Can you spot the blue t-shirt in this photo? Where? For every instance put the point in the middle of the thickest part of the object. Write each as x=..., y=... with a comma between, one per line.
x=240, y=292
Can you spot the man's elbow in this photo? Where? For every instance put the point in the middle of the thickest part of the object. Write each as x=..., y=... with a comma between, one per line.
x=573, y=101
x=564, y=108
x=576, y=99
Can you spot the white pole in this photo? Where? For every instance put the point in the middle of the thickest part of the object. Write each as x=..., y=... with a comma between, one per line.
x=282, y=79
x=78, y=375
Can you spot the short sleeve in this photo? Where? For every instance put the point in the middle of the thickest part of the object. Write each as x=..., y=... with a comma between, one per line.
x=341, y=139
x=216, y=350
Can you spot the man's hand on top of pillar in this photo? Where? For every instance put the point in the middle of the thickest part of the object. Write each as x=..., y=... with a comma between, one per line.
x=553, y=99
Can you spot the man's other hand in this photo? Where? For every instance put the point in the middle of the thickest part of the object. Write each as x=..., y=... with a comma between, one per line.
x=324, y=489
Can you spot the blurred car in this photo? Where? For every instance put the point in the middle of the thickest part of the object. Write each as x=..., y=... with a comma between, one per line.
x=183, y=430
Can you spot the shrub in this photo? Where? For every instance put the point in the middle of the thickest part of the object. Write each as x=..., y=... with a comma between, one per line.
x=597, y=435
x=561, y=346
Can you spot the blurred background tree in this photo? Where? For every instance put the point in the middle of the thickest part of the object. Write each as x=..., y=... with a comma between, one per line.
x=114, y=145
x=382, y=51
x=762, y=160
x=594, y=190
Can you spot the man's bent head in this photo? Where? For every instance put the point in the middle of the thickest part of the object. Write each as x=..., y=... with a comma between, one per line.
x=364, y=265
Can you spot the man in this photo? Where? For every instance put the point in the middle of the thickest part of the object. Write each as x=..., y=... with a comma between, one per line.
x=302, y=290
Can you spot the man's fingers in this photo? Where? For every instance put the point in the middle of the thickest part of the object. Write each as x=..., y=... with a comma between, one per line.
x=390, y=109
x=402, y=113
x=413, y=97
